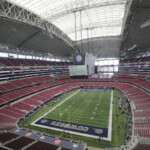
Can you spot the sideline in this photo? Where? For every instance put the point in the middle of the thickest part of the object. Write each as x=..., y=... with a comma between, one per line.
x=110, y=118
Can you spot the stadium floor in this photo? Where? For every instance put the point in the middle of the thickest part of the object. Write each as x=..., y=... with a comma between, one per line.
x=85, y=113
x=118, y=134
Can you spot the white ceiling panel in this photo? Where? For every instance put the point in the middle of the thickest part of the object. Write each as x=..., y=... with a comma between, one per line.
x=94, y=18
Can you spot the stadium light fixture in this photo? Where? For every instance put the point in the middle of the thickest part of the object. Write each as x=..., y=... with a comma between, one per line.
x=132, y=48
x=123, y=54
x=145, y=24
x=50, y=35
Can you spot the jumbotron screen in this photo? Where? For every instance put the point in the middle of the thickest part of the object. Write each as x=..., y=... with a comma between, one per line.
x=78, y=70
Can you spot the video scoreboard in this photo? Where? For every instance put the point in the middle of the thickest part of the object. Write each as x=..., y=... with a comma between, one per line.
x=84, y=64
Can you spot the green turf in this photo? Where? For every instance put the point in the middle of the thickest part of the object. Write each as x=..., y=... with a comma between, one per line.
x=81, y=109
x=85, y=107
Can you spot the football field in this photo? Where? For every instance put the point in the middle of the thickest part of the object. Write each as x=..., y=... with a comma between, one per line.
x=82, y=113
x=86, y=107
x=85, y=112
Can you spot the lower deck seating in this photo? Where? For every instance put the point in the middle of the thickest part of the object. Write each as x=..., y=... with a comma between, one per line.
x=22, y=106
x=29, y=90
x=39, y=98
x=138, y=96
x=14, y=110
x=19, y=143
x=31, y=101
x=42, y=146
x=12, y=95
x=5, y=137
x=143, y=113
x=142, y=146
x=10, y=113
x=7, y=97
x=21, y=83
x=142, y=132
x=6, y=119
x=3, y=99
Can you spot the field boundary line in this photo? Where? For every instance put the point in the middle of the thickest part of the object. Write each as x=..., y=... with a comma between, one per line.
x=82, y=112
x=80, y=105
x=108, y=138
x=33, y=123
x=110, y=118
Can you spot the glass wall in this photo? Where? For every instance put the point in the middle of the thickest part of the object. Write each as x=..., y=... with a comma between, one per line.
x=12, y=55
x=106, y=67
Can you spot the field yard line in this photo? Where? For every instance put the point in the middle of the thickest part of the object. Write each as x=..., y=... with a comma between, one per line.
x=78, y=106
x=89, y=121
x=100, y=97
x=110, y=118
x=55, y=107
x=82, y=112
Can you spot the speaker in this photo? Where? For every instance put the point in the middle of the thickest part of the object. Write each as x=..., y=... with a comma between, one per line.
x=96, y=69
x=49, y=35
